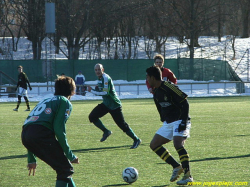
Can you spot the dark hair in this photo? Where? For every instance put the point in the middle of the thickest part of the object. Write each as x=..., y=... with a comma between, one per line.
x=65, y=86
x=20, y=67
x=155, y=72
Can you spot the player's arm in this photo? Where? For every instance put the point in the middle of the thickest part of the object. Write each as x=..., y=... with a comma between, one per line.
x=31, y=163
x=99, y=93
x=60, y=130
x=171, y=77
x=18, y=84
x=106, y=87
x=150, y=89
x=83, y=79
x=27, y=80
x=31, y=157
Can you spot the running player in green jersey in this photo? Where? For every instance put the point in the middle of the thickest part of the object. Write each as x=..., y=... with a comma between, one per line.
x=44, y=133
x=22, y=83
x=173, y=108
x=111, y=104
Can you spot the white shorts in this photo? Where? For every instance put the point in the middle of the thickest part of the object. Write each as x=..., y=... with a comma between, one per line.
x=23, y=92
x=169, y=130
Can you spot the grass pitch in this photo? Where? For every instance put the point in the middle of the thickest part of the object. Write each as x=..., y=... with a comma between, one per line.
x=218, y=146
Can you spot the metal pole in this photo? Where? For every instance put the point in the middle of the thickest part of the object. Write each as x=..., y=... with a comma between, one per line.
x=248, y=65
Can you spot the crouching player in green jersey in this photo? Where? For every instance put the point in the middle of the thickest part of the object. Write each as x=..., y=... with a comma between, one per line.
x=173, y=108
x=44, y=133
x=111, y=104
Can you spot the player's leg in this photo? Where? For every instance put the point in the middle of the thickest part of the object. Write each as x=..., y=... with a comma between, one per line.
x=41, y=141
x=179, y=141
x=94, y=117
x=118, y=117
x=163, y=136
x=18, y=102
x=77, y=90
x=25, y=96
x=27, y=102
x=21, y=93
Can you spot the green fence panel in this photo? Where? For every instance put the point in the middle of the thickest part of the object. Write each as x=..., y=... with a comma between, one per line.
x=130, y=70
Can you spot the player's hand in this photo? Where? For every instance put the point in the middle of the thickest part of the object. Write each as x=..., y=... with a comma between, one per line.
x=182, y=126
x=75, y=161
x=89, y=88
x=32, y=168
x=30, y=88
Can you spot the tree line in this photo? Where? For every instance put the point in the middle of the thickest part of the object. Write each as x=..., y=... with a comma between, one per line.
x=119, y=24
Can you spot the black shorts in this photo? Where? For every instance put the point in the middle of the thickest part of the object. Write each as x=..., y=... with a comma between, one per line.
x=101, y=110
x=42, y=142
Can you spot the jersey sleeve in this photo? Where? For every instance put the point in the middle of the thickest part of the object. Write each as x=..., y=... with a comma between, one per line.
x=179, y=99
x=169, y=75
x=148, y=86
x=59, y=123
x=31, y=157
x=106, y=86
x=27, y=80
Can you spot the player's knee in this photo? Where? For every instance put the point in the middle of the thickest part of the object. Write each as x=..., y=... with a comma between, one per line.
x=152, y=146
x=123, y=126
x=65, y=175
x=25, y=98
x=19, y=98
x=92, y=118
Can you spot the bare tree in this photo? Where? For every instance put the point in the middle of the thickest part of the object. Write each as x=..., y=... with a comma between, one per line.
x=245, y=13
x=9, y=23
x=73, y=22
x=31, y=17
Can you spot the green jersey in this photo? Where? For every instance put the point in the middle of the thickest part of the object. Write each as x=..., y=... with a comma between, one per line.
x=106, y=89
x=53, y=114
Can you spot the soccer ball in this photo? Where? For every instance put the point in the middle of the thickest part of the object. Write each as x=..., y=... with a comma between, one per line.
x=130, y=174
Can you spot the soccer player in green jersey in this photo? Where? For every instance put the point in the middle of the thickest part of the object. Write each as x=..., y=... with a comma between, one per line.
x=111, y=104
x=44, y=133
x=173, y=108
x=22, y=83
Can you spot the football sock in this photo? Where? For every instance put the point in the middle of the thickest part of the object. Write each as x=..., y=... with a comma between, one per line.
x=100, y=125
x=61, y=183
x=18, y=102
x=131, y=134
x=71, y=183
x=166, y=156
x=184, y=159
x=27, y=102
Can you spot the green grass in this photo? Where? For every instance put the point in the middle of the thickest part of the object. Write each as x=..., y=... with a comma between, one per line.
x=218, y=146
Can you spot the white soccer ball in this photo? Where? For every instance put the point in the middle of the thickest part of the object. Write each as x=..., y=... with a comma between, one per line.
x=130, y=174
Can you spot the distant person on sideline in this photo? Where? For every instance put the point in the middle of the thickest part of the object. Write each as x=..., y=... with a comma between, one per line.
x=44, y=133
x=111, y=104
x=22, y=83
x=173, y=107
x=79, y=80
x=167, y=74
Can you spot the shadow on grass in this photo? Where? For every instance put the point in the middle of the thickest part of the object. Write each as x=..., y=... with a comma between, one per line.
x=74, y=151
x=116, y=185
x=103, y=148
x=217, y=158
x=220, y=158
x=130, y=184
x=243, y=135
x=13, y=157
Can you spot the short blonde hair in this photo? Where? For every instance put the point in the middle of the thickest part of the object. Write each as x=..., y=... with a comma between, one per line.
x=159, y=56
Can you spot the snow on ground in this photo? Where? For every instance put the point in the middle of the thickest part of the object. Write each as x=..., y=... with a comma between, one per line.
x=210, y=49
